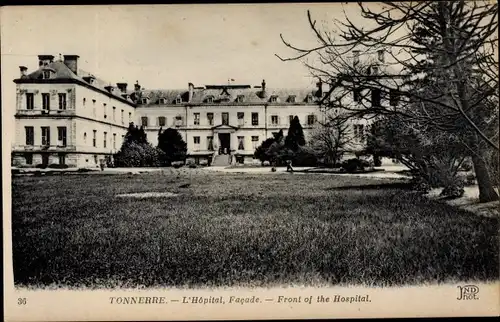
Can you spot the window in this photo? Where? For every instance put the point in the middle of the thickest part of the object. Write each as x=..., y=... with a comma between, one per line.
x=114, y=141
x=144, y=121
x=210, y=143
x=129, y=117
x=30, y=135
x=274, y=99
x=104, y=107
x=394, y=97
x=241, y=118
x=94, y=139
x=196, y=118
x=45, y=135
x=61, y=136
x=355, y=56
x=375, y=70
x=29, y=158
x=311, y=119
x=255, y=142
x=62, y=158
x=121, y=116
x=62, y=101
x=274, y=119
x=144, y=101
x=105, y=138
x=162, y=121
x=309, y=98
x=291, y=99
x=255, y=118
x=178, y=120
x=46, y=74
x=114, y=114
x=196, y=140
x=161, y=101
x=178, y=100
x=241, y=145
x=95, y=158
x=381, y=55
x=93, y=108
x=240, y=98
x=357, y=94
x=46, y=101
x=210, y=118
x=359, y=131
x=85, y=137
x=84, y=101
x=30, y=101
x=376, y=97
x=225, y=118
x=210, y=99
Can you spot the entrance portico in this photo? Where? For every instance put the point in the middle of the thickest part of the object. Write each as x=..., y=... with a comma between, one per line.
x=224, y=135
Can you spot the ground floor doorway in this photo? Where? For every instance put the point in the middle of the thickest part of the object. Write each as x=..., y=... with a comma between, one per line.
x=225, y=143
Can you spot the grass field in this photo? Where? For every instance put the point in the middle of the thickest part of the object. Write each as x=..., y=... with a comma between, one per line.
x=241, y=230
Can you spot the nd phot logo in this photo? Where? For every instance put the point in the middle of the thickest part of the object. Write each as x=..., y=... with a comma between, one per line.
x=468, y=292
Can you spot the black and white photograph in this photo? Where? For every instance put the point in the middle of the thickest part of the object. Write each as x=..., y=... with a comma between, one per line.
x=275, y=160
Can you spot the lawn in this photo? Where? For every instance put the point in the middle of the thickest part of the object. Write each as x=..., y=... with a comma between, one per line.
x=241, y=230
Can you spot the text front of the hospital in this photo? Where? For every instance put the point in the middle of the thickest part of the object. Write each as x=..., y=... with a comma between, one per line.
x=65, y=115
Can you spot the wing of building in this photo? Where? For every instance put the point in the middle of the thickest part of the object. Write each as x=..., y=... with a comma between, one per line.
x=65, y=115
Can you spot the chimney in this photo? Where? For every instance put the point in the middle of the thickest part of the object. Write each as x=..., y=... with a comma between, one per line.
x=23, y=70
x=263, y=85
x=44, y=60
x=122, y=87
x=319, y=84
x=137, y=86
x=191, y=91
x=72, y=62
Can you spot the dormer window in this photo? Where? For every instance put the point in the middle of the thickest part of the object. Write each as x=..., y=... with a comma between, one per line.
x=374, y=70
x=355, y=56
x=46, y=74
x=381, y=55
x=178, y=100
x=309, y=98
x=274, y=99
x=240, y=98
x=291, y=99
x=161, y=101
x=210, y=99
x=144, y=100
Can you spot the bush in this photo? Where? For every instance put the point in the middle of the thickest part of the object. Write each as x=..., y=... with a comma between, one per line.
x=137, y=155
x=466, y=166
x=177, y=164
x=304, y=157
x=354, y=165
x=192, y=166
x=41, y=166
x=470, y=179
x=83, y=170
x=420, y=184
x=453, y=191
x=58, y=166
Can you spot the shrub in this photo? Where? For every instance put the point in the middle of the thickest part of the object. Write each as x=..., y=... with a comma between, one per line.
x=41, y=166
x=354, y=165
x=420, y=184
x=453, y=191
x=58, y=166
x=193, y=166
x=304, y=157
x=177, y=164
x=470, y=179
x=83, y=170
x=466, y=165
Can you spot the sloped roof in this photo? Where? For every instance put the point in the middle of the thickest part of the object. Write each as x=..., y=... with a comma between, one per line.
x=226, y=95
x=62, y=72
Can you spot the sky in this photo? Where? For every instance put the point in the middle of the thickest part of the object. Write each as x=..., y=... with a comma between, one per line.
x=165, y=46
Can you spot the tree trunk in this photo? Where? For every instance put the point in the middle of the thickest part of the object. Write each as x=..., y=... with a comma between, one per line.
x=487, y=192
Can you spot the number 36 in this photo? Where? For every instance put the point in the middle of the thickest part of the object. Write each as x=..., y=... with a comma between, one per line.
x=21, y=301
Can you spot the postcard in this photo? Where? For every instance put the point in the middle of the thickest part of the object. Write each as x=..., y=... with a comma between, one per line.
x=250, y=161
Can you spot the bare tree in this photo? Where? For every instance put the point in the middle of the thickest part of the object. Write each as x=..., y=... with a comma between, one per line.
x=439, y=57
x=331, y=140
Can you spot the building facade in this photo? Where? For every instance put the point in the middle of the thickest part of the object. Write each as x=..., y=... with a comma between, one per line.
x=65, y=115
